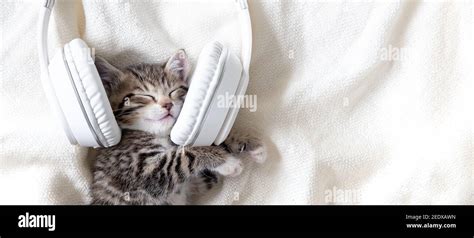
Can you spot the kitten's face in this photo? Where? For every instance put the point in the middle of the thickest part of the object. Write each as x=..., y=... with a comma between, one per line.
x=147, y=97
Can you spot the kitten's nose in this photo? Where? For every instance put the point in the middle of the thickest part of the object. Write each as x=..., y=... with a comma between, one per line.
x=165, y=103
x=167, y=106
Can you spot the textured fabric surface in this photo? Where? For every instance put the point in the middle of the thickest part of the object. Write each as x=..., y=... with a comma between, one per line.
x=359, y=101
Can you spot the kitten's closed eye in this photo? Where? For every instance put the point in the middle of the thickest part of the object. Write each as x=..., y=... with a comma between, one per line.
x=178, y=93
x=144, y=98
x=140, y=99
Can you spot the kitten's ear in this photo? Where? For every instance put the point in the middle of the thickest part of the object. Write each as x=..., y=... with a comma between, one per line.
x=108, y=73
x=178, y=65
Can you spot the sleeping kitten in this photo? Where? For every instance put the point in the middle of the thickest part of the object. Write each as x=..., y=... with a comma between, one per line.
x=146, y=167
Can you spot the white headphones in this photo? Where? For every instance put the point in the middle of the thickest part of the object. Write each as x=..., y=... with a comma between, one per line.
x=74, y=89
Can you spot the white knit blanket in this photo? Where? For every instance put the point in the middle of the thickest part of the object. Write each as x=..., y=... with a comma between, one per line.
x=365, y=102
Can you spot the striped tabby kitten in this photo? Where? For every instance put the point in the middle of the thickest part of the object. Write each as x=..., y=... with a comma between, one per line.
x=146, y=167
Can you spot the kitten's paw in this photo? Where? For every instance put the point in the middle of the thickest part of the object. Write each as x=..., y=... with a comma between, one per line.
x=259, y=154
x=232, y=167
x=241, y=142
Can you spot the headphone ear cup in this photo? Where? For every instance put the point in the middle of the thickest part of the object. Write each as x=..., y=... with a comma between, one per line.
x=82, y=97
x=93, y=95
x=202, y=84
x=217, y=73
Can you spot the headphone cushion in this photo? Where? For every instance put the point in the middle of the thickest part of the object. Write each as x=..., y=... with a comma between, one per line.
x=202, y=86
x=91, y=90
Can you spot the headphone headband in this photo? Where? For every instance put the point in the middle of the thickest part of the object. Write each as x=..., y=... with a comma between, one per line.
x=246, y=32
x=45, y=13
x=244, y=16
